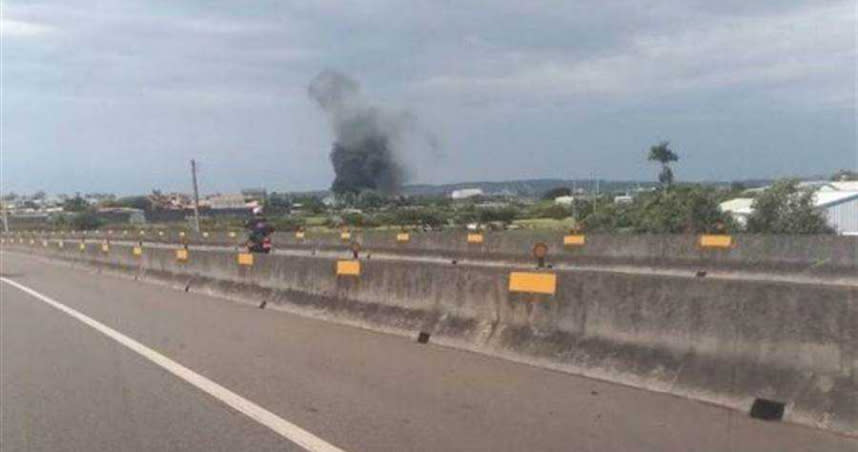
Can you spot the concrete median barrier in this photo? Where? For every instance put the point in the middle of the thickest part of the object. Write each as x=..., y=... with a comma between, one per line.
x=727, y=342
x=761, y=253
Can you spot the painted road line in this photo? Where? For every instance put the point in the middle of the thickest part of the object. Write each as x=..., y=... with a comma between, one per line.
x=281, y=426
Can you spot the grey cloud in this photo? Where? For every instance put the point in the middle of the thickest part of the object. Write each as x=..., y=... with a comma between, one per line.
x=512, y=89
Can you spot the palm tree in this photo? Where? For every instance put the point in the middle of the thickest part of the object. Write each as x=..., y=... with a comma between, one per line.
x=661, y=153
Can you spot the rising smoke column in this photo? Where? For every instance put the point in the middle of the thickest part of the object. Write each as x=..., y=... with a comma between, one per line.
x=362, y=155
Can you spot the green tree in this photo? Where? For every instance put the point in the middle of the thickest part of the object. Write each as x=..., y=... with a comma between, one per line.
x=503, y=214
x=662, y=154
x=76, y=204
x=686, y=209
x=784, y=208
x=134, y=202
x=607, y=217
x=86, y=220
x=550, y=195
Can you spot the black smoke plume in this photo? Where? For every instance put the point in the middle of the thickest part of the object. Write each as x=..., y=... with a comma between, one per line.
x=363, y=153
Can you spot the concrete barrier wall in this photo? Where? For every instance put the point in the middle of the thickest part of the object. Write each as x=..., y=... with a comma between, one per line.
x=764, y=253
x=722, y=341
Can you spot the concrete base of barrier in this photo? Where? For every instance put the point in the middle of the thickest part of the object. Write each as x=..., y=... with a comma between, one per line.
x=723, y=342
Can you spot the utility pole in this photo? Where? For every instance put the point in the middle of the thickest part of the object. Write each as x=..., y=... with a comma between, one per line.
x=196, y=196
x=5, y=217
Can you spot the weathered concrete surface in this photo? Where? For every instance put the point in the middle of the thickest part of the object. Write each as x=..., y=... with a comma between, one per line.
x=725, y=342
x=775, y=253
x=359, y=390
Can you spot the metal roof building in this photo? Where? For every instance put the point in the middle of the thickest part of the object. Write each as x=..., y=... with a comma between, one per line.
x=841, y=210
x=839, y=207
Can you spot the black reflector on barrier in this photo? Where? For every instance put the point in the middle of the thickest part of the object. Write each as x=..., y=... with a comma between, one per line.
x=423, y=337
x=767, y=410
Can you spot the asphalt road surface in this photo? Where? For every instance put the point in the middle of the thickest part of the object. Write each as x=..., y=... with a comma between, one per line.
x=283, y=380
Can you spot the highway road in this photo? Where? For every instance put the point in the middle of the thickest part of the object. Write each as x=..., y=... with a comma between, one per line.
x=92, y=362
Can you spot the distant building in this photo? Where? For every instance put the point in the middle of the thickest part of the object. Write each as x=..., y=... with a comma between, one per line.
x=740, y=209
x=466, y=193
x=564, y=200
x=623, y=199
x=229, y=201
x=841, y=210
x=840, y=186
x=839, y=207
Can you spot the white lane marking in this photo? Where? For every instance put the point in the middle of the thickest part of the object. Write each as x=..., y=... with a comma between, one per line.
x=283, y=427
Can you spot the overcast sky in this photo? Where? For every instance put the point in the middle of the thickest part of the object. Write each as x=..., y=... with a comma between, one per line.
x=119, y=95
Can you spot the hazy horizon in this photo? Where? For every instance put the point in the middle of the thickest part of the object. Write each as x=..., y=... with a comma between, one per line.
x=120, y=97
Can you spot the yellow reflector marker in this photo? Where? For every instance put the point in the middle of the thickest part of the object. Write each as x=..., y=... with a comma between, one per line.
x=205, y=235
x=137, y=251
x=716, y=241
x=105, y=248
x=351, y=267
x=545, y=283
x=60, y=244
x=161, y=233
x=82, y=247
x=574, y=240
x=345, y=235
x=142, y=232
x=181, y=233
x=181, y=254
x=232, y=234
x=475, y=238
x=299, y=235
x=245, y=259
x=402, y=237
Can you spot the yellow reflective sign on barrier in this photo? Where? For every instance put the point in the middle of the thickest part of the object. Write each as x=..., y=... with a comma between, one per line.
x=182, y=255
x=346, y=235
x=403, y=237
x=716, y=241
x=574, y=240
x=529, y=282
x=299, y=235
x=475, y=238
x=245, y=259
x=137, y=251
x=350, y=267
x=232, y=235
x=105, y=248
x=82, y=247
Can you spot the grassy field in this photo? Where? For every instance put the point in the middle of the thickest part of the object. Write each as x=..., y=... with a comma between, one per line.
x=544, y=223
